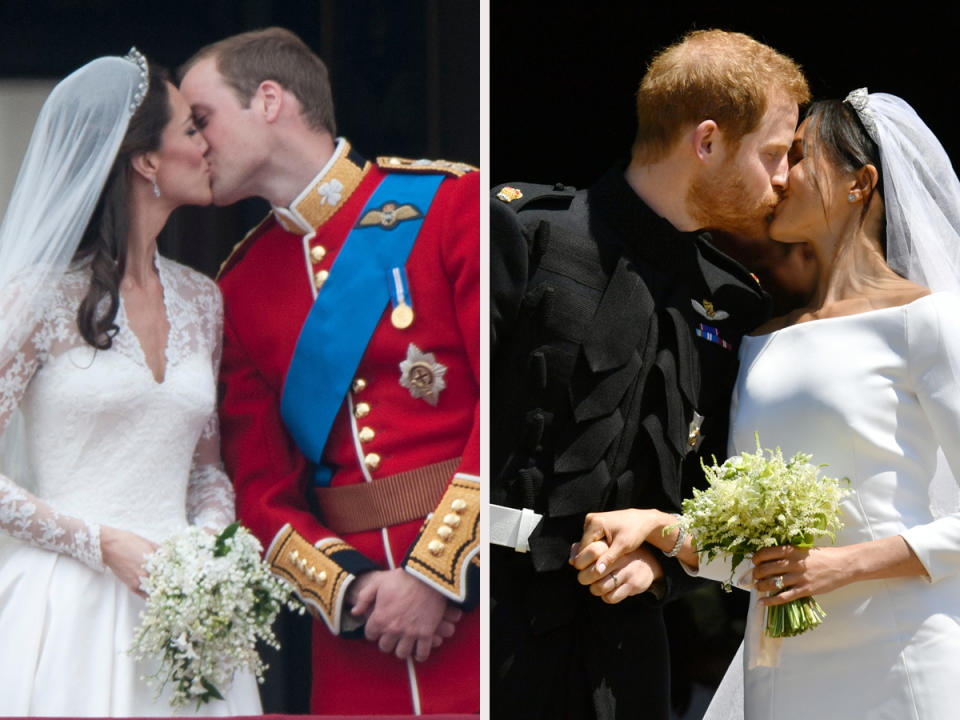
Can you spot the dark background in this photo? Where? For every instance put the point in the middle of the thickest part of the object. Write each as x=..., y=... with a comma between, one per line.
x=563, y=75
x=405, y=74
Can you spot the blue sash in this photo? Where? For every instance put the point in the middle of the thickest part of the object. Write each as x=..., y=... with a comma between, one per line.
x=346, y=312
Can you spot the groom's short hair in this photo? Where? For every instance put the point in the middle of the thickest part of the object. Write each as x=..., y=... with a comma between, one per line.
x=246, y=60
x=722, y=76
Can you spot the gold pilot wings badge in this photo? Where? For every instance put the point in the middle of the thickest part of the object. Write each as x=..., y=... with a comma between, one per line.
x=707, y=310
x=389, y=215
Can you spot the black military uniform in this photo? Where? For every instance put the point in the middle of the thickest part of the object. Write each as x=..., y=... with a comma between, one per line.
x=613, y=356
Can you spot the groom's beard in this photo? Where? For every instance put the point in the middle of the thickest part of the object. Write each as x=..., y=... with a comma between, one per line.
x=722, y=202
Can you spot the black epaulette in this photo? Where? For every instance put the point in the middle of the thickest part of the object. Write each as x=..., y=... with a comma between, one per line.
x=520, y=196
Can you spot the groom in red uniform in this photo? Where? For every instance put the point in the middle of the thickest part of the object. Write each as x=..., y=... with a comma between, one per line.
x=350, y=378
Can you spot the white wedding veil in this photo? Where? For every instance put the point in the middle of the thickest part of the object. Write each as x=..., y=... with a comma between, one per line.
x=921, y=194
x=68, y=160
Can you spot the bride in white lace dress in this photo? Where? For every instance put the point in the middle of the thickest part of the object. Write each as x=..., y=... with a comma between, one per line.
x=109, y=355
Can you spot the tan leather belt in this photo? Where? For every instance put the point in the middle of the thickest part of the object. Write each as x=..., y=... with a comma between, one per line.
x=395, y=499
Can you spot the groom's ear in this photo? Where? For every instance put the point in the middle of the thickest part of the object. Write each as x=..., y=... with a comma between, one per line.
x=270, y=99
x=706, y=140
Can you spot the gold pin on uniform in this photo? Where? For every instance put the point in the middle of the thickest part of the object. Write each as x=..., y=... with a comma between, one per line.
x=509, y=194
x=402, y=316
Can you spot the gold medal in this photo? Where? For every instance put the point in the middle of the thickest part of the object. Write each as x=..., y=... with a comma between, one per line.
x=402, y=316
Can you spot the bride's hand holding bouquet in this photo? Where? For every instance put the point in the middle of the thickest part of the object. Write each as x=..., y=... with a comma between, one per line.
x=756, y=505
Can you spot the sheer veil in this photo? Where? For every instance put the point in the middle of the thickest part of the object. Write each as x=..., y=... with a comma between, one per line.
x=69, y=157
x=922, y=198
x=922, y=203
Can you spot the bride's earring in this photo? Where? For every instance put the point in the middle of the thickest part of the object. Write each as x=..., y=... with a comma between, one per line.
x=852, y=197
x=156, y=189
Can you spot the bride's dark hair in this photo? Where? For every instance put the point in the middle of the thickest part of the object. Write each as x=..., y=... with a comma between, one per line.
x=836, y=131
x=104, y=241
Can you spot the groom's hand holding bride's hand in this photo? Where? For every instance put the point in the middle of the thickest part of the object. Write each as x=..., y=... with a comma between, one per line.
x=403, y=615
x=124, y=553
x=629, y=573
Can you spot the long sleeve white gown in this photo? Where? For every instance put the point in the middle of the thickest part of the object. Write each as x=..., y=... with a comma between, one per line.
x=873, y=396
x=107, y=445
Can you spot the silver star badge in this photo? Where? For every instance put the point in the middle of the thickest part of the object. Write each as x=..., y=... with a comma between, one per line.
x=422, y=375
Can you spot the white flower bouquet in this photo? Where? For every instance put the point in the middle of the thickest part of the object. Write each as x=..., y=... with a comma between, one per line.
x=759, y=500
x=210, y=598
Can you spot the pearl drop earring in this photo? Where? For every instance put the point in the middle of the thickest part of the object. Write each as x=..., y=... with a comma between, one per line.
x=156, y=189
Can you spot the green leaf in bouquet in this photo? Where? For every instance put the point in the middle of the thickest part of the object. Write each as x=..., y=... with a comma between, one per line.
x=221, y=548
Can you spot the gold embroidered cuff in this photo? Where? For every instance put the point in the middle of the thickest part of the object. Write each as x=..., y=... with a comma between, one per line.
x=449, y=540
x=316, y=578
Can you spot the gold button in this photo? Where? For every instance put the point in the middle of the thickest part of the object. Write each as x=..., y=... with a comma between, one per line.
x=317, y=253
x=293, y=556
x=459, y=505
x=444, y=532
x=302, y=564
x=311, y=572
x=451, y=520
x=436, y=547
x=372, y=461
x=320, y=278
x=366, y=434
x=361, y=410
x=321, y=577
x=359, y=385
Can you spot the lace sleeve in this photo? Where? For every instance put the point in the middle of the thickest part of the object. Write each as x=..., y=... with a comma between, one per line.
x=23, y=515
x=210, y=496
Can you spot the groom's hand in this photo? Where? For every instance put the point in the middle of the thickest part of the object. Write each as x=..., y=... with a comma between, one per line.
x=404, y=616
x=631, y=574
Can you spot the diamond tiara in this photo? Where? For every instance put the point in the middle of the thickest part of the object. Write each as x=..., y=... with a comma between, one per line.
x=137, y=58
x=860, y=100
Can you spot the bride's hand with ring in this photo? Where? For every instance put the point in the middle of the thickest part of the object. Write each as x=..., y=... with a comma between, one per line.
x=124, y=553
x=788, y=572
x=631, y=574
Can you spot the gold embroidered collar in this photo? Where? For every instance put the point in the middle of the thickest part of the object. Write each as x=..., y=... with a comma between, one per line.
x=326, y=193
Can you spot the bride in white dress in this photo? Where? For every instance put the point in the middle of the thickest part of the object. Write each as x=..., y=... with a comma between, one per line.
x=866, y=379
x=109, y=355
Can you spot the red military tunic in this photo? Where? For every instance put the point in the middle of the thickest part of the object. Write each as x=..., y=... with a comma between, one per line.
x=383, y=428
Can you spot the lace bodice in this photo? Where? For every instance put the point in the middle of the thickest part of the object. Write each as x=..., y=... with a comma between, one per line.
x=105, y=442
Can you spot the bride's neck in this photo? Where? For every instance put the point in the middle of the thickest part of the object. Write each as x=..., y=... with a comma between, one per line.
x=147, y=218
x=855, y=269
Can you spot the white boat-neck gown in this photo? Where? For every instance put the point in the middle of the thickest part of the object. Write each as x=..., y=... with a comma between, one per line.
x=873, y=396
x=108, y=445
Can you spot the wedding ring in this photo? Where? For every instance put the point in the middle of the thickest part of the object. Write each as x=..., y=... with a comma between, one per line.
x=778, y=581
x=614, y=576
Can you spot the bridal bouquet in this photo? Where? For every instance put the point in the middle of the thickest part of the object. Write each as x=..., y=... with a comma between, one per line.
x=210, y=598
x=759, y=500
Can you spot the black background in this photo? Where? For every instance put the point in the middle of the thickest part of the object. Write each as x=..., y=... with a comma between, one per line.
x=563, y=75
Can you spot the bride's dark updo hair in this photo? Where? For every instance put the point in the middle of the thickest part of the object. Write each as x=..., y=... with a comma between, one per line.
x=104, y=242
x=836, y=132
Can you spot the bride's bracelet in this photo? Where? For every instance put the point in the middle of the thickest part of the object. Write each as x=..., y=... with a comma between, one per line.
x=681, y=536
